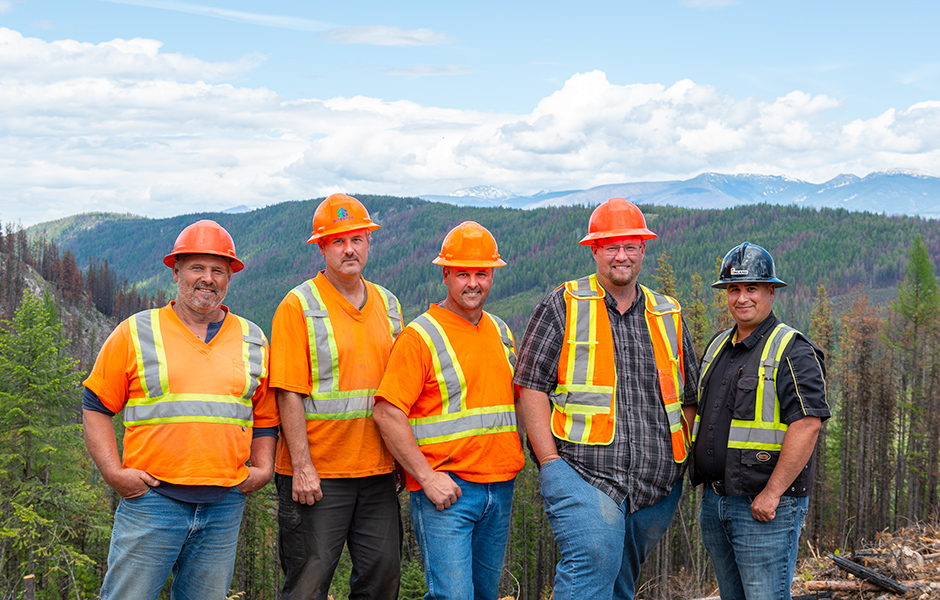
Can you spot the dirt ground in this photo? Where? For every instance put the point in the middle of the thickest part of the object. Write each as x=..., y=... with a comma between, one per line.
x=909, y=556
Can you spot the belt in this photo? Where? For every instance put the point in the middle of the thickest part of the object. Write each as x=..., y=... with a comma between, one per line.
x=717, y=486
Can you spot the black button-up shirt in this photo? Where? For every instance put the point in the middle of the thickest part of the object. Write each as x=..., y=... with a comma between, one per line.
x=801, y=392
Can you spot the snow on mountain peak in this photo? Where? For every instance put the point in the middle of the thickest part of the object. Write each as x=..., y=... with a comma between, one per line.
x=483, y=191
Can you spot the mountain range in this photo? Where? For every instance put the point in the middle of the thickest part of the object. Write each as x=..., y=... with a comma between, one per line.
x=896, y=192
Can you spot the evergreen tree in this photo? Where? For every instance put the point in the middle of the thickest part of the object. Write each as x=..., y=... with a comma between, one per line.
x=47, y=510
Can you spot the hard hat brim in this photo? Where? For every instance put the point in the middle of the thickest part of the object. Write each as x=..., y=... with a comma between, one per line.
x=316, y=236
x=643, y=234
x=237, y=265
x=778, y=283
x=469, y=264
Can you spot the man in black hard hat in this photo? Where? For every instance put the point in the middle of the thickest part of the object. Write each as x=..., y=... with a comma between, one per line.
x=762, y=398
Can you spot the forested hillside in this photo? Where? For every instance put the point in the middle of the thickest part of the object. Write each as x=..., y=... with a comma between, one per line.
x=879, y=455
x=836, y=248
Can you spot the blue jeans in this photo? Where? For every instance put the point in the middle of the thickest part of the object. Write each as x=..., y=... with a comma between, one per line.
x=463, y=546
x=154, y=536
x=602, y=544
x=753, y=560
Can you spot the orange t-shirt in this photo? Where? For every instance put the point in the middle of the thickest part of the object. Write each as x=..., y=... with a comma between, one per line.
x=184, y=453
x=410, y=385
x=338, y=448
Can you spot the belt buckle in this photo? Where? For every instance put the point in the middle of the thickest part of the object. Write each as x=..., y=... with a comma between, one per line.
x=718, y=487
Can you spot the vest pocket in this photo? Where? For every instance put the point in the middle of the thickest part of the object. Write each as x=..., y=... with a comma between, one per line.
x=745, y=398
x=759, y=461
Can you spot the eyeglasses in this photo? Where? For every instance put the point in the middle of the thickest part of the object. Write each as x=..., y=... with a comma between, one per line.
x=614, y=249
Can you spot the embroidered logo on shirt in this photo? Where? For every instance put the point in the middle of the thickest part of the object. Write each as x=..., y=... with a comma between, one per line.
x=763, y=456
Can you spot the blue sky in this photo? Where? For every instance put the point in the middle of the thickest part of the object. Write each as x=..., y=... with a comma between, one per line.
x=162, y=107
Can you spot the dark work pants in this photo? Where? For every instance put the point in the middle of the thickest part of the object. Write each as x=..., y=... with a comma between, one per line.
x=362, y=513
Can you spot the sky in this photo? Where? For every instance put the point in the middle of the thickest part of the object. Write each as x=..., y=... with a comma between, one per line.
x=167, y=107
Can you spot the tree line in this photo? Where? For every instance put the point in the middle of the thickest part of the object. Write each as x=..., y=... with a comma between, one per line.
x=878, y=455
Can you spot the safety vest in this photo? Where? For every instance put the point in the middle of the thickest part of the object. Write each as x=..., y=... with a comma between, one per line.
x=456, y=420
x=326, y=401
x=766, y=431
x=159, y=405
x=584, y=407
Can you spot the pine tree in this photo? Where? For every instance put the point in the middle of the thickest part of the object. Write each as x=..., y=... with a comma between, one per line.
x=47, y=510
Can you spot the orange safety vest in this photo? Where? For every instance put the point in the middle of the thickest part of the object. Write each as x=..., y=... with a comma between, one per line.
x=584, y=407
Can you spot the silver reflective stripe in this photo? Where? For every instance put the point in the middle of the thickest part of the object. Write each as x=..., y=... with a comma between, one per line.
x=254, y=342
x=768, y=371
x=338, y=406
x=578, y=425
x=506, y=337
x=448, y=373
x=582, y=333
x=392, y=309
x=144, y=322
x=167, y=409
x=320, y=332
x=471, y=424
x=753, y=435
x=707, y=359
x=585, y=398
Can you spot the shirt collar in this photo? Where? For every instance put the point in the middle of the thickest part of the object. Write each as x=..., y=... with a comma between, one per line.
x=766, y=325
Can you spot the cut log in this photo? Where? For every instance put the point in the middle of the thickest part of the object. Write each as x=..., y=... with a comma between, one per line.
x=868, y=575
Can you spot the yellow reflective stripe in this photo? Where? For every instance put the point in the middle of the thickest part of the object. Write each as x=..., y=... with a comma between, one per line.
x=447, y=370
x=324, y=358
x=352, y=404
x=253, y=356
x=151, y=355
x=509, y=343
x=392, y=310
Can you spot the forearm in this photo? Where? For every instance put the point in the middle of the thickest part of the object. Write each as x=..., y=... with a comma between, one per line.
x=101, y=442
x=535, y=411
x=798, y=445
x=290, y=405
x=400, y=441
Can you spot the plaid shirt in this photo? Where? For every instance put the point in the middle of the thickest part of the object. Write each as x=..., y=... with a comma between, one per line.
x=638, y=465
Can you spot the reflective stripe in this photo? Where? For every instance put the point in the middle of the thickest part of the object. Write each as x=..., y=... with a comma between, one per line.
x=590, y=398
x=188, y=408
x=707, y=359
x=326, y=401
x=506, y=336
x=456, y=421
x=392, y=309
x=479, y=421
x=337, y=407
x=160, y=406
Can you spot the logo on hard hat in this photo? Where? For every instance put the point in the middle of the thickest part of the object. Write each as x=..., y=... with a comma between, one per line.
x=342, y=214
x=738, y=271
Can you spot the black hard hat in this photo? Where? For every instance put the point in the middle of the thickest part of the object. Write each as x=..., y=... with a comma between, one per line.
x=747, y=263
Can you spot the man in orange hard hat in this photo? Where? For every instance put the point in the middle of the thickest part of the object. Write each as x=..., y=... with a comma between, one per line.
x=329, y=345
x=445, y=408
x=192, y=424
x=607, y=373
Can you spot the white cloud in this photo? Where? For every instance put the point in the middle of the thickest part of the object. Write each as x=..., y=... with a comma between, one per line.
x=123, y=126
x=5, y=6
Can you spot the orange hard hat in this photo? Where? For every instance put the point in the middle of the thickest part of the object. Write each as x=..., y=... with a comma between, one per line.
x=337, y=214
x=205, y=237
x=469, y=245
x=617, y=218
